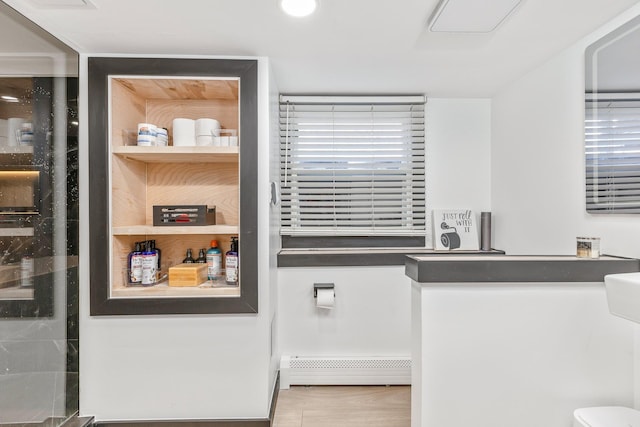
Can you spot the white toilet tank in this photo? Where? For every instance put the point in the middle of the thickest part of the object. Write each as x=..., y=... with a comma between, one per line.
x=606, y=416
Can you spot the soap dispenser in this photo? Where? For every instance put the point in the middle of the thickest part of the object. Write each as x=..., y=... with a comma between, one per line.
x=232, y=263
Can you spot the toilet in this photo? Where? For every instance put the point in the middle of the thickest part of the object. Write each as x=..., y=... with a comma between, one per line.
x=620, y=290
x=606, y=416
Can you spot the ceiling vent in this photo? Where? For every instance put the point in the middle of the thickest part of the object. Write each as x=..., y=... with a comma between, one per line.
x=62, y=4
x=470, y=16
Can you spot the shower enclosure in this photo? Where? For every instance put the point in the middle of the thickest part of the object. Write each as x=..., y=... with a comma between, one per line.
x=39, y=344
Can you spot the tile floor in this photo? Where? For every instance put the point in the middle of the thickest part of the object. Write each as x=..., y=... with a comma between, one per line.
x=344, y=406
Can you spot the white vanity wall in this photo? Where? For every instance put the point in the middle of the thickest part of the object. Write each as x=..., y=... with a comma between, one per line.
x=372, y=315
x=515, y=354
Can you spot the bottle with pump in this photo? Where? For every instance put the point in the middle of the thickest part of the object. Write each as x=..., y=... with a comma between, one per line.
x=214, y=261
x=232, y=263
x=135, y=265
x=202, y=259
x=189, y=258
x=152, y=245
x=149, y=265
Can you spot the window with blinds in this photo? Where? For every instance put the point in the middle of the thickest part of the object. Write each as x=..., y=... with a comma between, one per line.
x=352, y=166
x=612, y=150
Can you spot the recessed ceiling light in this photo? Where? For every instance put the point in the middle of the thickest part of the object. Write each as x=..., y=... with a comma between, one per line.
x=470, y=16
x=298, y=8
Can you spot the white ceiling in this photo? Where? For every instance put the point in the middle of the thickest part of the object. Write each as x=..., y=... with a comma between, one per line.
x=347, y=46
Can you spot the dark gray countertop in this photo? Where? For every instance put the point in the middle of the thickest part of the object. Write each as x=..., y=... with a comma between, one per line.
x=367, y=257
x=516, y=268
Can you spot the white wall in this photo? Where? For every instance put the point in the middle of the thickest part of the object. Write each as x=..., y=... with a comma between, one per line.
x=459, y=154
x=517, y=354
x=538, y=162
x=372, y=316
x=538, y=166
x=178, y=366
x=274, y=225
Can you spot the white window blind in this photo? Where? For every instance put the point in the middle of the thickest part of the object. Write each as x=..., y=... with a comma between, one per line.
x=612, y=150
x=352, y=166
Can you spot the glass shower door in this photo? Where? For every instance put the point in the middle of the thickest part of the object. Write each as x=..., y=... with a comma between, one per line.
x=39, y=343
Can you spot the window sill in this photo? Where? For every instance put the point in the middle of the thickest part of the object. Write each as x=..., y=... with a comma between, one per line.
x=363, y=257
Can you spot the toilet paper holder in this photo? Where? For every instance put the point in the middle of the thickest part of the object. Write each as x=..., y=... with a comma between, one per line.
x=317, y=286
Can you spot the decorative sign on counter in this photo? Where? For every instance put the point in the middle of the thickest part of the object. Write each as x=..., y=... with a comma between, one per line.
x=455, y=229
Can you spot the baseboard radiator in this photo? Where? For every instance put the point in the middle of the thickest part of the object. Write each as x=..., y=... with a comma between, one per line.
x=298, y=370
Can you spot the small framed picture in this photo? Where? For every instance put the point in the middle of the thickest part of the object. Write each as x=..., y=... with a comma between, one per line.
x=455, y=230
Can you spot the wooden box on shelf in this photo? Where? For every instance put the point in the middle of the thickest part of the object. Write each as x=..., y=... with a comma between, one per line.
x=187, y=275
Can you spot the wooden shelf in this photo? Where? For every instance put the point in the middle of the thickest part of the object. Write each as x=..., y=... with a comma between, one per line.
x=162, y=290
x=172, y=88
x=22, y=149
x=178, y=154
x=16, y=293
x=16, y=232
x=134, y=230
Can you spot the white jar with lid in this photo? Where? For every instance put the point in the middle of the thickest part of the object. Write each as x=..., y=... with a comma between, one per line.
x=588, y=247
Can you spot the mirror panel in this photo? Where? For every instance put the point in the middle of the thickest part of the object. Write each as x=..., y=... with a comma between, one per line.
x=612, y=122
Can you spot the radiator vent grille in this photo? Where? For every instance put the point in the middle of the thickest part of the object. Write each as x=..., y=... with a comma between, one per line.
x=341, y=363
x=303, y=370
